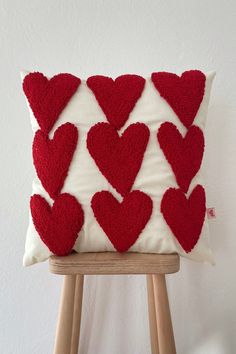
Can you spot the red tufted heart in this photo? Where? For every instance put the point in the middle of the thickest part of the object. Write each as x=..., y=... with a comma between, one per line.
x=184, y=94
x=183, y=154
x=118, y=158
x=118, y=97
x=58, y=227
x=122, y=222
x=52, y=158
x=184, y=216
x=48, y=98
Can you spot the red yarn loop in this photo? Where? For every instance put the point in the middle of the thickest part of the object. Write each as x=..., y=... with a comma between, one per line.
x=122, y=222
x=58, y=227
x=184, y=154
x=184, y=94
x=119, y=158
x=52, y=158
x=184, y=216
x=118, y=97
x=47, y=98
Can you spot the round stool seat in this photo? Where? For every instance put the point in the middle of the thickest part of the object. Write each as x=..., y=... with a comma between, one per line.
x=115, y=263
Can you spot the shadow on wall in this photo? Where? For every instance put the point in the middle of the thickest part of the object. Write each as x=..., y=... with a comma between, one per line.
x=115, y=313
x=201, y=296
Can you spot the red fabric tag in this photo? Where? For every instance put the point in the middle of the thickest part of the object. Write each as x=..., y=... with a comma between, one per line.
x=211, y=213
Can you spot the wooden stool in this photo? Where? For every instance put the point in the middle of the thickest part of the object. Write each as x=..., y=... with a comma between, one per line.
x=76, y=265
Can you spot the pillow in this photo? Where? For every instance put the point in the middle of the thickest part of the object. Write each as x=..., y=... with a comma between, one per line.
x=118, y=164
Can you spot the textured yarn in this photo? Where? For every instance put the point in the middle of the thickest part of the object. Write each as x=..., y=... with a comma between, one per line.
x=118, y=97
x=119, y=158
x=52, y=158
x=184, y=216
x=58, y=227
x=122, y=222
x=184, y=154
x=48, y=98
x=184, y=94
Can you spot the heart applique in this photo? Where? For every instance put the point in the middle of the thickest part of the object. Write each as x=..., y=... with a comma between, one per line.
x=122, y=222
x=184, y=94
x=58, y=227
x=47, y=98
x=119, y=158
x=184, y=154
x=52, y=158
x=118, y=97
x=184, y=216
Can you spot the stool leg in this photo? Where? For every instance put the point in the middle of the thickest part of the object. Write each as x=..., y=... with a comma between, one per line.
x=164, y=324
x=152, y=316
x=65, y=319
x=77, y=314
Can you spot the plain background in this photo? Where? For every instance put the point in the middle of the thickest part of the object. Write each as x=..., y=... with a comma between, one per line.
x=114, y=37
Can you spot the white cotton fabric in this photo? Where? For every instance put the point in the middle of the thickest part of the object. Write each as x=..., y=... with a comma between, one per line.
x=154, y=178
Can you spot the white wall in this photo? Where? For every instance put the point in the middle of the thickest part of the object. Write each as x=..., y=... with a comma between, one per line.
x=114, y=37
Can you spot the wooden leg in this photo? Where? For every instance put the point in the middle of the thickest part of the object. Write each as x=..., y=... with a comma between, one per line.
x=65, y=319
x=152, y=316
x=77, y=314
x=164, y=324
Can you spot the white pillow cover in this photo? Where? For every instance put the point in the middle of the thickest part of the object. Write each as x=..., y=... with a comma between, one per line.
x=129, y=175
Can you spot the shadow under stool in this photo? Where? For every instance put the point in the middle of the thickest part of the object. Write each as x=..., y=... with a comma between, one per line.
x=76, y=265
